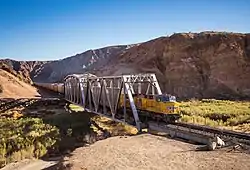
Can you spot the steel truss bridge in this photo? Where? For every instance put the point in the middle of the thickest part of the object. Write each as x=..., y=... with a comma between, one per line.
x=101, y=95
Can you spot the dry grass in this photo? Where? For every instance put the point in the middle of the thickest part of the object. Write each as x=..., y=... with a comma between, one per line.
x=213, y=112
x=76, y=108
x=25, y=138
x=113, y=127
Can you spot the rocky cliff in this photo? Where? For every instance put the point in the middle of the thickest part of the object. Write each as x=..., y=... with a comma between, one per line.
x=188, y=65
x=24, y=70
x=203, y=65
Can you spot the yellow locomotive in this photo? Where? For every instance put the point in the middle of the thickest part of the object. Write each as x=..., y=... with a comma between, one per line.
x=164, y=107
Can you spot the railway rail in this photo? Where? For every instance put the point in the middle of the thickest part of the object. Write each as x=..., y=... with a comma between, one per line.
x=11, y=104
x=210, y=136
x=212, y=130
x=8, y=104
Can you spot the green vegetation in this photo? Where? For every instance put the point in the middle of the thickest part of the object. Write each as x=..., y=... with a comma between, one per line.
x=25, y=138
x=55, y=133
x=216, y=112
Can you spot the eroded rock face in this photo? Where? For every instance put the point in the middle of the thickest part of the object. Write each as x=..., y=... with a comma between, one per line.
x=80, y=63
x=22, y=69
x=188, y=65
x=204, y=65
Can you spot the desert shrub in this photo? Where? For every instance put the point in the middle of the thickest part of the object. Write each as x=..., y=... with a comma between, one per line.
x=212, y=108
x=35, y=137
x=215, y=112
x=238, y=120
x=24, y=138
x=72, y=128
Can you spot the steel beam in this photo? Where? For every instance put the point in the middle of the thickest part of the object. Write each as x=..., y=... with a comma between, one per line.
x=102, y=95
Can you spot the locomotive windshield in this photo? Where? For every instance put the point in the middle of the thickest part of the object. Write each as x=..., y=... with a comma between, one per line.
x=166, y=98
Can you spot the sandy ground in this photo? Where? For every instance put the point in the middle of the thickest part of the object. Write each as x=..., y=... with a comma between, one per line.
x=154, y=153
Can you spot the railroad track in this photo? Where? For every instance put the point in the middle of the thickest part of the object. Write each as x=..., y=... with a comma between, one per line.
x=12, y=104
x=4, y=102
x=217, y=131
x=201, y=134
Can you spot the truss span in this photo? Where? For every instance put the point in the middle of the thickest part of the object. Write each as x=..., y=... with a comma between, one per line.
x=101, y=95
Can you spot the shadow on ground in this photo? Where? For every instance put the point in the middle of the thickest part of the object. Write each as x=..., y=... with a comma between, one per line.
x=75, y=128
x=44, y=129
x=44, y=93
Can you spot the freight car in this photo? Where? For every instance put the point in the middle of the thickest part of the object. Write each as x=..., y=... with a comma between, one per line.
x=56, y=87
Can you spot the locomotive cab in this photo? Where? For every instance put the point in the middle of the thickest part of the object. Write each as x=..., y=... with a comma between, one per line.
x=165, y=98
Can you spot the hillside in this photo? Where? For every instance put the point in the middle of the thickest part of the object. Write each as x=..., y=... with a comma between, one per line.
x=188, y=65
x=24, y=70
x=203, y=65
x=87, y=61
x=13, y=87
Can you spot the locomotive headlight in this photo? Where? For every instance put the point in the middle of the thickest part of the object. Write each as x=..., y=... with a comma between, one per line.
x=170, y=108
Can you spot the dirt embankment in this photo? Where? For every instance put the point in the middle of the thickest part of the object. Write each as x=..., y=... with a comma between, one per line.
x=24, y=70
x=14, y=87
x=141, y=152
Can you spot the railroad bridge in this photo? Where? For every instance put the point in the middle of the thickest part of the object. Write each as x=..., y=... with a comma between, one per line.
x=101, y=95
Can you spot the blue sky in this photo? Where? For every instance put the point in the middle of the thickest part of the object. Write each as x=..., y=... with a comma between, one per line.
x=55, y=29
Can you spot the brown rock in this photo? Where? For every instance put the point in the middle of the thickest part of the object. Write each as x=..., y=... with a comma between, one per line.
x=188, y=65
x=204, y=65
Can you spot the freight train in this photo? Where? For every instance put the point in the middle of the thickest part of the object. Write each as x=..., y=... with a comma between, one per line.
x=159, y=107
x=56, y=87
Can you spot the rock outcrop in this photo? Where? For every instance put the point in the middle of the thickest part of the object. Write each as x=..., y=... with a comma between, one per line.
x=188, y=65
x=24, y=70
